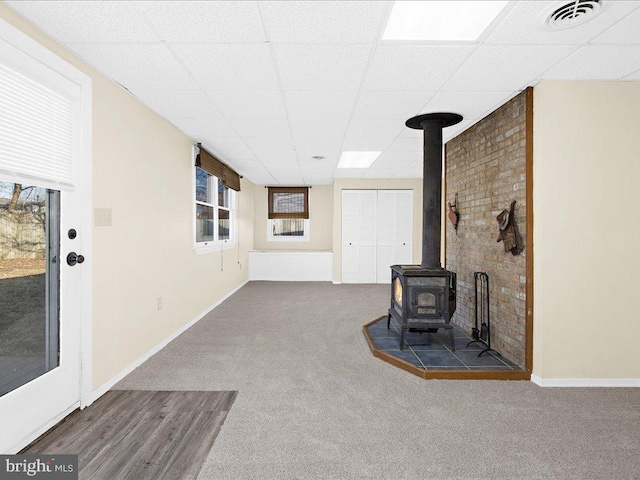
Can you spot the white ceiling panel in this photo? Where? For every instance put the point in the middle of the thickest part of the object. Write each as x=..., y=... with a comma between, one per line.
x=229, y=66
x=403, y=144
x=375, y=127
x=249, y=103
x=349, y=172
x=264, y=127
x=389, y=160
x=322, y=67
x=319, y=103
x=141, y=66
x=269, y=143
x=323, y=22
x=470, y=105
x=598, y=62
x=496, y=68
x=311, y=165
x=319, y=127
x=373, y=173
x=626, y=31
x=413, y=67
x=229, y=148
x=413, y=170
x=317, y=145
x=91, y=22
x=318, y=179
x=179, y=103
x=204, y=21
x=207, y=127
x=633, y=76
x=367, y=143
x=525, y=24
x=387, y=104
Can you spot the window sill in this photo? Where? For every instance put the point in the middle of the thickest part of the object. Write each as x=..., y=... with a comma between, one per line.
x=287, y=239
x=213, y=247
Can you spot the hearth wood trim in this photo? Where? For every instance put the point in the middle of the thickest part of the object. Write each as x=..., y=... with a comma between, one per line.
x=528, y=354
x=442, y=374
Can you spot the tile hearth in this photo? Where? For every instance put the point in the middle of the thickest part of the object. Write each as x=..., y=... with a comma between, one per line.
x=431, y=351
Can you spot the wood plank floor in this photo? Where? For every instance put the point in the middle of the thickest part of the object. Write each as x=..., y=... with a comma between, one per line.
x=139, y=435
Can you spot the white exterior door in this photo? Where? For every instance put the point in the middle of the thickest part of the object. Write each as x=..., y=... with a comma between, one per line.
x=377, y=229
x=45, y=130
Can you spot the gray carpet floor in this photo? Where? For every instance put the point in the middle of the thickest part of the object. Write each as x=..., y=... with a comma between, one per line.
x=314, y=403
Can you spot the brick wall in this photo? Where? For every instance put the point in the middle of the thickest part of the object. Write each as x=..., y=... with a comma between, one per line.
x=486, y=166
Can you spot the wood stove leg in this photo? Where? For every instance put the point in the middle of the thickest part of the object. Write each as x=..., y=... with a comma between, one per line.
x=402, y=339
x=452, y=339
x=388, y=321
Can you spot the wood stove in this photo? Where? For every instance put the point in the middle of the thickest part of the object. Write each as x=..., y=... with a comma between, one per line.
x=423, y=297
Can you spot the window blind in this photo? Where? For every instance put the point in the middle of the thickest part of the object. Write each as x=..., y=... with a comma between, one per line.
x=38, y=126
x=215, y=167
x=288, y=202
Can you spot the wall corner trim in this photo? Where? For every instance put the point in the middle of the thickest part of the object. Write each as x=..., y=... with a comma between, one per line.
x=586, y=382
x=110, y=383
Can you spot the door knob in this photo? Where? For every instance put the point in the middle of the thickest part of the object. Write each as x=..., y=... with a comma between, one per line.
x=74, y=258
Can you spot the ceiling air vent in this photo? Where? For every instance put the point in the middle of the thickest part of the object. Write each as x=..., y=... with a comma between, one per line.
x=574, y=13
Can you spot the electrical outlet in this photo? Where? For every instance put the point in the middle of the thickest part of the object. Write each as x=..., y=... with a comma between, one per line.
x=159, y=303
x=102, y=217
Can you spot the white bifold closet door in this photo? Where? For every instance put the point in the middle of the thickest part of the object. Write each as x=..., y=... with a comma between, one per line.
x=395, y=222
x=376, y=233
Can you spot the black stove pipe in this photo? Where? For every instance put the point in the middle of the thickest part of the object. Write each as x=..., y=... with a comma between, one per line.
x=432, y=124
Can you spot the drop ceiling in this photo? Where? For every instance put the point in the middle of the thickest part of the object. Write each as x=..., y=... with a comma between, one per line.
x=268, y=85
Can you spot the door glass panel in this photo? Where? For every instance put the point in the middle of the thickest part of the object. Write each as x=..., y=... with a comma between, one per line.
x=29, y=283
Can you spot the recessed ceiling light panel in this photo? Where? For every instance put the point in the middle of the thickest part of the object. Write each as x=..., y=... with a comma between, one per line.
x=441, y=20
x=357, y=159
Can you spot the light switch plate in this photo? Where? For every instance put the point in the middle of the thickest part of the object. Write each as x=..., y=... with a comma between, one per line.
x=102, y=217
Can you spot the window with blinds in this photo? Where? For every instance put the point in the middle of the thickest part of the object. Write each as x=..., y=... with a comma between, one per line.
x=288, y=214
x=39, y=129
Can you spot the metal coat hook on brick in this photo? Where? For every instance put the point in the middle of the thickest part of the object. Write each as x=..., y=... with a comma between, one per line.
x=454, y=213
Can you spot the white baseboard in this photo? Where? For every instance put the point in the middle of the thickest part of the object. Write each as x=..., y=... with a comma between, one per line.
x=585, y=382
x=109, y=384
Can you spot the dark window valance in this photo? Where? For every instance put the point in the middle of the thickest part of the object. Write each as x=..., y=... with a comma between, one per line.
x=212, y=165
x=288, y=202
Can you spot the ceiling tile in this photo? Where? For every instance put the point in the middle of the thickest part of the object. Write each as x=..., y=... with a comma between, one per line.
x=598, y=62
x=319, y=104
x=402, y=144
x=311, y=165
x=322, y=67
x=375, y=127
x=385, y=104
x=141, y=66
x=413, y=170
x=268, y=127
x=229, y=148
x=633, y=76
x=625, y=31
x=323, y=22
x=525, y=24
x=413, y=67
x=502, y=68
x=178, y=103
x=269, y=143
x=204, y=21
x=470, y=105
x=319, y=127
x=318, y=179
x=367, y=144
x=317, y=145
x=92, y=22
x=390, y=160
x=249, y=103
x=381, y=173
x=349, y=172
x=230, y=66
x=209, y=127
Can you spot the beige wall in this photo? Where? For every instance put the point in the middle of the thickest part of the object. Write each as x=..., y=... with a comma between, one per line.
x=320, y=221
x=142, y=170
x=586, y=169
x=340, y=184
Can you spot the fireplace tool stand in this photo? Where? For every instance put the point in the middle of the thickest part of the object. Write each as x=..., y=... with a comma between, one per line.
x=482, y=335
